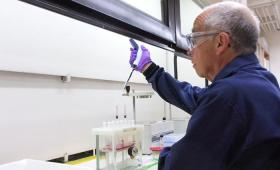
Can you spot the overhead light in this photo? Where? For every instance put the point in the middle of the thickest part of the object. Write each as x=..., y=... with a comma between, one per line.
x=268, y=13
x=204, y=3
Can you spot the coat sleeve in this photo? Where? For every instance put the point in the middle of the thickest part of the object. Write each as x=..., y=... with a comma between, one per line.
x=180, y=94
x=213, y=140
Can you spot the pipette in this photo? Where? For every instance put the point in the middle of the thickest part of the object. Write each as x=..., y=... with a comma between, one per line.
x=135, y=63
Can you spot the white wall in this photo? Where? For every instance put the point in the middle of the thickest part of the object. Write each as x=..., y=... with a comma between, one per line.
x=274, y=50
x=189, y=11
x=43, y=118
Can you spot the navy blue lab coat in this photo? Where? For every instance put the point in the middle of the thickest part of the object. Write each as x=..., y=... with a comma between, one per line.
x=235, y=122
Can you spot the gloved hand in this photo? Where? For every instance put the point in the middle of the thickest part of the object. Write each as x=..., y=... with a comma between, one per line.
x=144, y=60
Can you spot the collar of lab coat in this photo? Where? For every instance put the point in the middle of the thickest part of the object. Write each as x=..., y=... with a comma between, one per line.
x=236, y=64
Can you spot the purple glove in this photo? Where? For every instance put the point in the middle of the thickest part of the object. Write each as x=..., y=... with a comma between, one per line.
x=145, y=58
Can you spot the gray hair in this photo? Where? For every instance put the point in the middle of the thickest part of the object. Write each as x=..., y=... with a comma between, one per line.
x=237, y=20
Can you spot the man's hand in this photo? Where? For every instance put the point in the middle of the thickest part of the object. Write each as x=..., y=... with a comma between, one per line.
x=144, y=61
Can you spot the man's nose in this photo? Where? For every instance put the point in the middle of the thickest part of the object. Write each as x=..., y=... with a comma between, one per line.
x=189, y=52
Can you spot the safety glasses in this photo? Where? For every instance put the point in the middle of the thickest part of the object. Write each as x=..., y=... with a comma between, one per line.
x=196, y=38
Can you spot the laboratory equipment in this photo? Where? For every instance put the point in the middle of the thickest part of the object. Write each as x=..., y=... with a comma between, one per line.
x=119, y=142
x=124, y=112
x=135, y=95
x=153, y=132
x=171, y=139
x=180, y=124
x=135, y=63
x=117, y=112
x=126, y=87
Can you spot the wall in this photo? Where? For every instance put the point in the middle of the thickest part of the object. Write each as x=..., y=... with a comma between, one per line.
x=44, y=118
x=274, y=50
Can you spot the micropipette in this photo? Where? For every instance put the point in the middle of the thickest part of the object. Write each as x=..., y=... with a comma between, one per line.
x=135, y=63
x=125, y=85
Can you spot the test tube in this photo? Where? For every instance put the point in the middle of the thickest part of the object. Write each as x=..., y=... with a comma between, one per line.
x=124, y=112
x=161, y=140
x=117, y=112
x=124, y=116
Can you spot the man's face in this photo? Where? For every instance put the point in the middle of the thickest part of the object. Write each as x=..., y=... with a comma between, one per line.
x=201, y=59
x=202, y=54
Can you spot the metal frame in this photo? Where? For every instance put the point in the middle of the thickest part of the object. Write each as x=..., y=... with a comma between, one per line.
x=175, y=67
x=181, y=43
x=119, y=17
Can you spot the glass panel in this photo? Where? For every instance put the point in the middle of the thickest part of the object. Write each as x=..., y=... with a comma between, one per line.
x=48, y=43
x=151, y=7
x=186, y=72
x=189, y=11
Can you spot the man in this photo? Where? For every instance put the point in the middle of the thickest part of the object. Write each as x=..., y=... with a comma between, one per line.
x=235, y=123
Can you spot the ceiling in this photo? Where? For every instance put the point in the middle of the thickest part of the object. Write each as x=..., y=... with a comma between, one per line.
x=268, y=12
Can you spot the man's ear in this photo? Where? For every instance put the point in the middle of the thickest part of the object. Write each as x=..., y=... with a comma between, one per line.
x=222, y=42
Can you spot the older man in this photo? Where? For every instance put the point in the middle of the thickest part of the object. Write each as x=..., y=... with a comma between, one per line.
x=235, y=123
